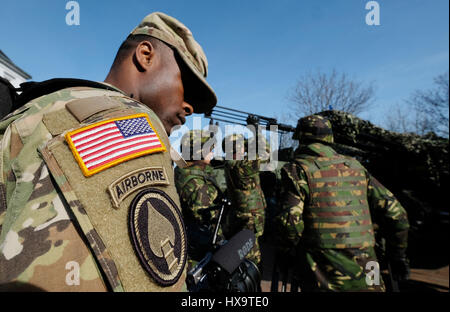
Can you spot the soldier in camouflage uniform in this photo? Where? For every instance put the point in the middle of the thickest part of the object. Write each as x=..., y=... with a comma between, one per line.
x=245, y=193
x=199, y=193
x=87, y=194
x=326, y=217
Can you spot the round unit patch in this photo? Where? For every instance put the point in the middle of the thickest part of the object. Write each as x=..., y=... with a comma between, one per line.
x=158, y=235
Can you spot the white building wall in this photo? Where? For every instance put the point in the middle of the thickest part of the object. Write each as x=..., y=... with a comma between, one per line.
x=11, y=75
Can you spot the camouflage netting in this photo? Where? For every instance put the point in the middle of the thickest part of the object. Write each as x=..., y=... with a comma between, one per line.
x=415, y=168
x=423, y=158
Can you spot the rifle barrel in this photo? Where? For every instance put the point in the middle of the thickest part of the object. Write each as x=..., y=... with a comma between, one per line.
x=228, y=121
x=246, y=113
x=232, y=116
x=231, y=109
x=226, y=112
x=220, y=114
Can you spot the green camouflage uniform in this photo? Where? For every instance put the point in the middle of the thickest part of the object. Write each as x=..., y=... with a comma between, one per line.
x=248, y=201
x=326, y=219
x=198, y=191
x=218, y=174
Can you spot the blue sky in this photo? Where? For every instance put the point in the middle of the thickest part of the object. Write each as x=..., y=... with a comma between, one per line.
x=257, y=50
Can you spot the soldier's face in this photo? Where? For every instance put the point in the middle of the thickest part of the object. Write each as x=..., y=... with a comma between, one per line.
x=164, y=92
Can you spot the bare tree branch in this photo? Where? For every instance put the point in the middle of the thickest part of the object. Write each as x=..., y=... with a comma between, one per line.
x=433, y=107
x=317, y=92
x=426, y=111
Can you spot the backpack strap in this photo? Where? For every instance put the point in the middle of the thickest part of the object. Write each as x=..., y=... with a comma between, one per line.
x=32, y=89
x=8, y=95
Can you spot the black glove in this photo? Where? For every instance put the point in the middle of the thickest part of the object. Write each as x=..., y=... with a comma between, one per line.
x=400, y=269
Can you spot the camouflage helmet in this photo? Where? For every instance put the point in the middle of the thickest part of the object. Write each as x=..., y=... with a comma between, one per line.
x=193, y=143
x=314, y=128
x=236, y=141
x=176, y=35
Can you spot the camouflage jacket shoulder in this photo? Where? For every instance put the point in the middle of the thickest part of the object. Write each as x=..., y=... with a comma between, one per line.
x=197, y=189
x=43, y=213
x=184, y=175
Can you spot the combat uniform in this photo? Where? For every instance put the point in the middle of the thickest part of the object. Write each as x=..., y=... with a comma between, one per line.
x=199, y=194
x=87, y=190
x=247, y=199
x=199, y=197
x=326, y=219
x=57, y=215
x=197, y=191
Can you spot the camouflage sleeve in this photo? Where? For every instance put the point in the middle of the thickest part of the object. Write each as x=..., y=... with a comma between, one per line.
x=289, y=221
x=247, y=198
x=38, y=237
x=391, y=216
x=196, y=195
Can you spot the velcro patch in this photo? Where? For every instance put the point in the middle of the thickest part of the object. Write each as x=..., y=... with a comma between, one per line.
x=81, y=109
x=136, y=180
x=107, y=143
x=158, y=235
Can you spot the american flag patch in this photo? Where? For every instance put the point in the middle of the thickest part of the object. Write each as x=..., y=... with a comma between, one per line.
x=110, y=142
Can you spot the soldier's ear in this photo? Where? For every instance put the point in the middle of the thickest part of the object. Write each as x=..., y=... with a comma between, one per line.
x=144, y=55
